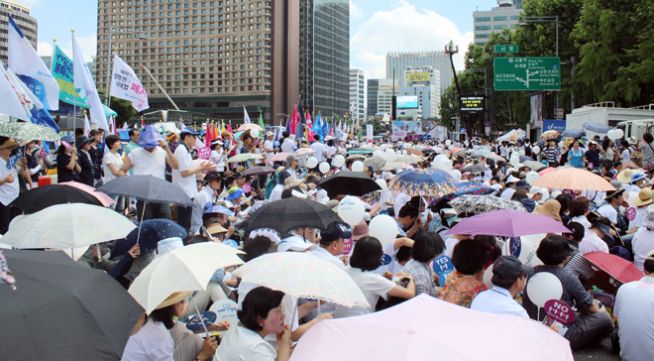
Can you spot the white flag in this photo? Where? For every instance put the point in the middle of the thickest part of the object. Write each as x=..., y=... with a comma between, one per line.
x=126, y=85
x=82, y=80
x=87, y=126
x=246, y=116
x=26, y=63
x=14, y=103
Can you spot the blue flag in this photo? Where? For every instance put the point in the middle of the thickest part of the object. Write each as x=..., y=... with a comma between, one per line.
x=317, y=127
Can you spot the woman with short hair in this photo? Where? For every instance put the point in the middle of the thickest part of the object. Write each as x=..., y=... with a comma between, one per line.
x=426, y=247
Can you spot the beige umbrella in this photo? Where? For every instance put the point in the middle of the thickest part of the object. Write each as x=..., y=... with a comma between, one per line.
x=395, y=166
x=185, y=269
x=244, y=157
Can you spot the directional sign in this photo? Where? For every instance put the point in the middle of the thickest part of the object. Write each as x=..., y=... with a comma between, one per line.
x=506, y=48
x=527, y=73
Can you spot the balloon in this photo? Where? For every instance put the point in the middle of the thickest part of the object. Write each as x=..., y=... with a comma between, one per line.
x=615, y=134
x=323, y=167
x=254, y=133
x=312, y=162
x=338, y=160
x=531, y=177
x=542, y=287
x=456, y=174
x=357, y=166
x=378, y=153
x=535, y=150
x=384, y=228
x=351, y=210
x=448, y=143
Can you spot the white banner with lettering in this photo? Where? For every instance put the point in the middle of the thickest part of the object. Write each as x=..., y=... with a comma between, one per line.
x=126, y=85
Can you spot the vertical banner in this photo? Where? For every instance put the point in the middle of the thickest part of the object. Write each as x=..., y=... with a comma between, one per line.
x=126, y=85
x=369, y=131
x=62, y=70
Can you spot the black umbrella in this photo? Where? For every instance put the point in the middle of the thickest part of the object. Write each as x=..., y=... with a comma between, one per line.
x=259, y=170
x=70, y=122
x=147, y=188
x=37, y=199
x=352, y=183
x=153, y=231
x=291, y=213
x=62, y=310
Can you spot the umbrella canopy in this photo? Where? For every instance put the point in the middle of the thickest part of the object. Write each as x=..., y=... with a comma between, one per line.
x=279, y=157
x=37, y=199
x=152, y=231
x=290, y=213
x=574, y=179
x=463, y=188
x=68, y=122
x=147, y=188
x=63, y=310
x=432, y=182
x=473, y=204
x=71, y=225
x=549, y=135
x=507, y=223
x=346, y=182
x=26, y=132
x=423, y=327
x=410, y=159
x=394, y=166
x=104, y=199
x=376, y=163
x=614, y=266
x=360, y=151
x=184, y=269
x=303, y=275
x=534, y=165
x=259, y=171
x=474, y=168
x=244, y=157
x=303, y=152
x=250, y=126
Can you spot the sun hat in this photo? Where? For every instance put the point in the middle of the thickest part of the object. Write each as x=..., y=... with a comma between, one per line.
x=550, y=208
x=216, y=228
x=637, y=177
x=174, y=298
x=614, y=194
x=624, y=176
x=8, y=144
x=644, y=198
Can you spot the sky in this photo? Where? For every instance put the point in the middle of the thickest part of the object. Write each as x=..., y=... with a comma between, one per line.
x=376, y=27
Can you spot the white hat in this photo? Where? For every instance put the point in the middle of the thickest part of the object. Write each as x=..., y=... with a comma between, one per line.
x=544, y=192
x=512, y=179
x=648, y=221
x=296, y=244
x=169, y=244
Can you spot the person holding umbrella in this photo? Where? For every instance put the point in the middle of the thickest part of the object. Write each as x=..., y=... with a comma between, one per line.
x=68, y=167
x=9, y=187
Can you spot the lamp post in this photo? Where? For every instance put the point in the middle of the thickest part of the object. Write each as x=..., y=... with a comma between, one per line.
x=112, y=30
x=451, y=49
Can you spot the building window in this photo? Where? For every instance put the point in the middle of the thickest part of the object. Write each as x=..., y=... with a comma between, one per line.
x=500, y=18
x=482, y=19
x=482, y=27
x=500, y=26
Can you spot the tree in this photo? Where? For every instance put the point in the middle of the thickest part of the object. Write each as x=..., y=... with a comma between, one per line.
x=124, y=109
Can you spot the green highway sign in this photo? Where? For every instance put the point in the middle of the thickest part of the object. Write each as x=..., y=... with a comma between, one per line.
x=506, y=48
x=527, y=73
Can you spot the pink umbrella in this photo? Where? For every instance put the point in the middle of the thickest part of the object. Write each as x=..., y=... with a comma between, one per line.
x=507, y=223
x=104, y=199
x=426, y=328
x=279, y=157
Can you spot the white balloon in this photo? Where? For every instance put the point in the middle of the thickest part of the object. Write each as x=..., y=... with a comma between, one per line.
x=384, y=228
x=338, y=160
x=357, y=166
x=323, y=167
x=351, y=210
x=531, y=177
x=254, y=133
x=535, y=149
x=615, y=134
x=312, y=162
x=378, y=153
x=542, y=287
x=456, y=174
x=448, y=143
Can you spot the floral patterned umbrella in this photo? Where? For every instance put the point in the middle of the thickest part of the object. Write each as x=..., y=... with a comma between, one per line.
x=463, y=188
x=432, y=183
x=476, y=204
x=25, y=132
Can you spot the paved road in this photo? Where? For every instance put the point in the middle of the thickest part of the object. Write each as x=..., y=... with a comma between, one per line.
x=601, y=352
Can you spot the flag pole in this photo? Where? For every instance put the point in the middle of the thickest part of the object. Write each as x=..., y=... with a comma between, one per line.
x=72, y=35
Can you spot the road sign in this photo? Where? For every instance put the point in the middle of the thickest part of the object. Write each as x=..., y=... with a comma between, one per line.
x=506, y=48
x=527, y=73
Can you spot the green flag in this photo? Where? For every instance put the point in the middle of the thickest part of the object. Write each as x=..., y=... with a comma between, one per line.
x=261, y=122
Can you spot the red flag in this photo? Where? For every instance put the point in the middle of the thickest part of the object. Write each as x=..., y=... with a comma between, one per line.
x=295, y=119
x=207, y=135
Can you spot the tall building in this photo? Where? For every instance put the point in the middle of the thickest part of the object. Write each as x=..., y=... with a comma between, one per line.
x=517, y=4
x=425, y=84
x=357, y=95
x=400, y=62
x=215, y=57
x=385, y=96
x=22, y=17
x=505, y=16
x=371, y=97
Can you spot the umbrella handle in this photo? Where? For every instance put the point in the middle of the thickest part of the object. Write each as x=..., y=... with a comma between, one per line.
x=197, y=311
x=138, y=235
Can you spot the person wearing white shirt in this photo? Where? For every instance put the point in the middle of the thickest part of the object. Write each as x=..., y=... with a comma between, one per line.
x=332, y=243
x=259, y=315
x=9, y=187
x=269, y=145
x=218, y=157
x=318, y=148
x=509, y=279
x=289, y=145
x=213, y=184
x=633, y=307
x=592, y=241
x=643, y=241
x=112, y=161
x=610, y=208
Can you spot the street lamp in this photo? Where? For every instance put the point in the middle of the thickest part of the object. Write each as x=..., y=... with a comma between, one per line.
x=112, y=30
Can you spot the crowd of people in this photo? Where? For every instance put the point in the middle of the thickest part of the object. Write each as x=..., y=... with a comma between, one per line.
x=225, y=195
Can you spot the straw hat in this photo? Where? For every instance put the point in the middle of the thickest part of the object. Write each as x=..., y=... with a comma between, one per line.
x=216, y=228
x=174, y=298
x=624, y=176
x=644, y=198
x=550, y=208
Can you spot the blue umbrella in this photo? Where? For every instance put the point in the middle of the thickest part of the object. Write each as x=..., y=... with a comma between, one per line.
x=152, y=231
x=475, y=188
x=431, y=183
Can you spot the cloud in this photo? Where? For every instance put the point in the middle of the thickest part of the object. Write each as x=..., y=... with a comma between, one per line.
x=87, y=43
x=355, y=10
x=44, y=48
x=403, y=28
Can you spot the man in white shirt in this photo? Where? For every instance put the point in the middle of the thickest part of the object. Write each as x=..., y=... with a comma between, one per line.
x=594, y=238
x=269, y=145
x=633, y=309
x=185, y=175
x=9, y=188
x=509, y=279
x=610, y=208
x=289, y=145
x=318, y=148
x=332, y=243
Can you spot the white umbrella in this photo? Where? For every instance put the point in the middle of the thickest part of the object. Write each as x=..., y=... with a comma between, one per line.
x=185, y=269
x=66, y=226
x=303, y=275
x=244, y=157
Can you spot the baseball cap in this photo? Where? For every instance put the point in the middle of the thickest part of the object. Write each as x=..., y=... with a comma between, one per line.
x=333, y=232
x=217, y=208
x=188, y=131
x=510, y=267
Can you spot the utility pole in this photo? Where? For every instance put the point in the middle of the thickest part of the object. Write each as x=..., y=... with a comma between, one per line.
x=451, y=49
